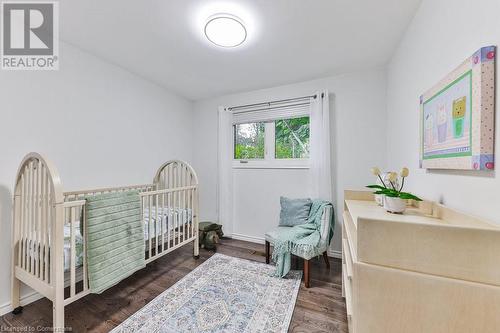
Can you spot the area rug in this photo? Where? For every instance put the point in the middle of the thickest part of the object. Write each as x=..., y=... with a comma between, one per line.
x=224, y=294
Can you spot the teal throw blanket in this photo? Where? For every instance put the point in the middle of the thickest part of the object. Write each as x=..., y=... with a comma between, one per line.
x=115, y=238
x=301, y=238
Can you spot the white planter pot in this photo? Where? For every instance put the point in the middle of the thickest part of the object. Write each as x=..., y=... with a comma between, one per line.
x=379, y=199
x=394, y=205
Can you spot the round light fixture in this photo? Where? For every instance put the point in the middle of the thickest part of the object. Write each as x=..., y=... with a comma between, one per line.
x=225, y=30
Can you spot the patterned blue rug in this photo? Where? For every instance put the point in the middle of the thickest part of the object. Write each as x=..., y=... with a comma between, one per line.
x=224, y=294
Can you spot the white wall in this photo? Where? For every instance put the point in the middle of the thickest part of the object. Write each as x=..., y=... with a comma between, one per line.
x=357, y=106
x=257, y=198
x=442, y=35
x=99, y=124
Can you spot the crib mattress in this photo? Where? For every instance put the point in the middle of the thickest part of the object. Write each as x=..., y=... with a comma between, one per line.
x=160, y=219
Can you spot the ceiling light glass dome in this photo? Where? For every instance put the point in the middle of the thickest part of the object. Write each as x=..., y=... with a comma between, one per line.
x=225, y=30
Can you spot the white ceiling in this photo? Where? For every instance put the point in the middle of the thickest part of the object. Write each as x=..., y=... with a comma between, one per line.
x=288, y=40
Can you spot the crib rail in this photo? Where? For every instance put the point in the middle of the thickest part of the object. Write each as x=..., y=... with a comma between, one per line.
x=171, y=219
x=78, y=195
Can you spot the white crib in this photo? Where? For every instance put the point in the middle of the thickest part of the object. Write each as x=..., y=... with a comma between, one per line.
x=46, y=225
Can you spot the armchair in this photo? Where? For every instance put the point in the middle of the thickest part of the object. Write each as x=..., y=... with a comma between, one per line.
x=321, y=249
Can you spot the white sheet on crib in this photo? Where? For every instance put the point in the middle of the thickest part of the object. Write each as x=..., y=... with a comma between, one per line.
x=178, y=215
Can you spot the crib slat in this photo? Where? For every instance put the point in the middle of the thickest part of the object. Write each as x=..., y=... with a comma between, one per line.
x=179, y=214
x=164, y=177
x=174, y=175
x=193, y=208
x=43, y=228
x=51, y=225
x=188, y=225
x=171, y=176
x=157, y=224
x=82, y=231
x=162, y=221
x=169, y=218
x=20, y=241
x=34, y=241
x=72, y=221
x=184, y=220
x=149, y=225
x=190, y=213
x=26, y=217
x=170, y=200
x=163, y=218
x=184, y=204
x=176, y=215
x=194, y=213
x=84, y=226
x=46, y=226
x=188, y=198
x=32, y=218
x=38, y=204
x=179, y=203
x=42, y=222
x=41, y=218
x=174, y=220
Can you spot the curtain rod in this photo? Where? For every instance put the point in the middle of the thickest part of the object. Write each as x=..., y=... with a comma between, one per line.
x=268, y=104
x=270, y=108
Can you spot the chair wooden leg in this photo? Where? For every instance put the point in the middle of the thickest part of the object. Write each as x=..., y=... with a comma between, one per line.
x=268, y=249
x=306, y=273
x=327, y=262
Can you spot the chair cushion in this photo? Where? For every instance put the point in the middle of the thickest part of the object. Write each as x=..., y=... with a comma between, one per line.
x=294, y=211
x=272, y=234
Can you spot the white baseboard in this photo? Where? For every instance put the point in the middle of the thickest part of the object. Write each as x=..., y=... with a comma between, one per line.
x=252, y=239
x=335, y=254
x=261, y=240
x=25, y=300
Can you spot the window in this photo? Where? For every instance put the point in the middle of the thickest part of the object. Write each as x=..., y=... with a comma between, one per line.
x=249, y=141
x=292, y=138
x=272, y=144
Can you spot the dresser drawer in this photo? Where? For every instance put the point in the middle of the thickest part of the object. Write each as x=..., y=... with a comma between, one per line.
x=351, y=234
x=348, y=296
x=348, y=258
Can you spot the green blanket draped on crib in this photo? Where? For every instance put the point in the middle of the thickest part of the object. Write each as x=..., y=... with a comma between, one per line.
x=300, y=238
x=115, y=238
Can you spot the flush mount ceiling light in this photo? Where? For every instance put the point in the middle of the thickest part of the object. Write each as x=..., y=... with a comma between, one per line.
x=225, y=30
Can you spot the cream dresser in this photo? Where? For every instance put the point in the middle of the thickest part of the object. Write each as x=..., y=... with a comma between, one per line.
x=430, y=270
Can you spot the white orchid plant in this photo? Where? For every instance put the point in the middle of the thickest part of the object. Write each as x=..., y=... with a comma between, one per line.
x=392, y=191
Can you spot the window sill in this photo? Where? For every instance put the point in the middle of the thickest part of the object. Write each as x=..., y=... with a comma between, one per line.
x=290, y=164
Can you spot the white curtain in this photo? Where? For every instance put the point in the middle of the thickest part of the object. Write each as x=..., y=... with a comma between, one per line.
x=320, y=169
x=225, y=171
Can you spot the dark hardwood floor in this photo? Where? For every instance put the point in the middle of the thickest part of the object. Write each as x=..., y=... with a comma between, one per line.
x=320, y=308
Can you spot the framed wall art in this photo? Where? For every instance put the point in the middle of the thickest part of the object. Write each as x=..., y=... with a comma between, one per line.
x=457, y=117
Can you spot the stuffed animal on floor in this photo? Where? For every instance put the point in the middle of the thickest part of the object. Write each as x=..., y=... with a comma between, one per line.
x=210, y=233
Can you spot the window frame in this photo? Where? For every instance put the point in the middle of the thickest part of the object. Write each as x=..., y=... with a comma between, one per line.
x=270, y=161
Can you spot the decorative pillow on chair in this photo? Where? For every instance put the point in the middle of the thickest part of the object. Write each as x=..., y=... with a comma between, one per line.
x=294, y=211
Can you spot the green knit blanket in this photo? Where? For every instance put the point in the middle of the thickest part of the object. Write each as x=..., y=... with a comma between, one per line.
x=115, y=238
x=301, y=238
